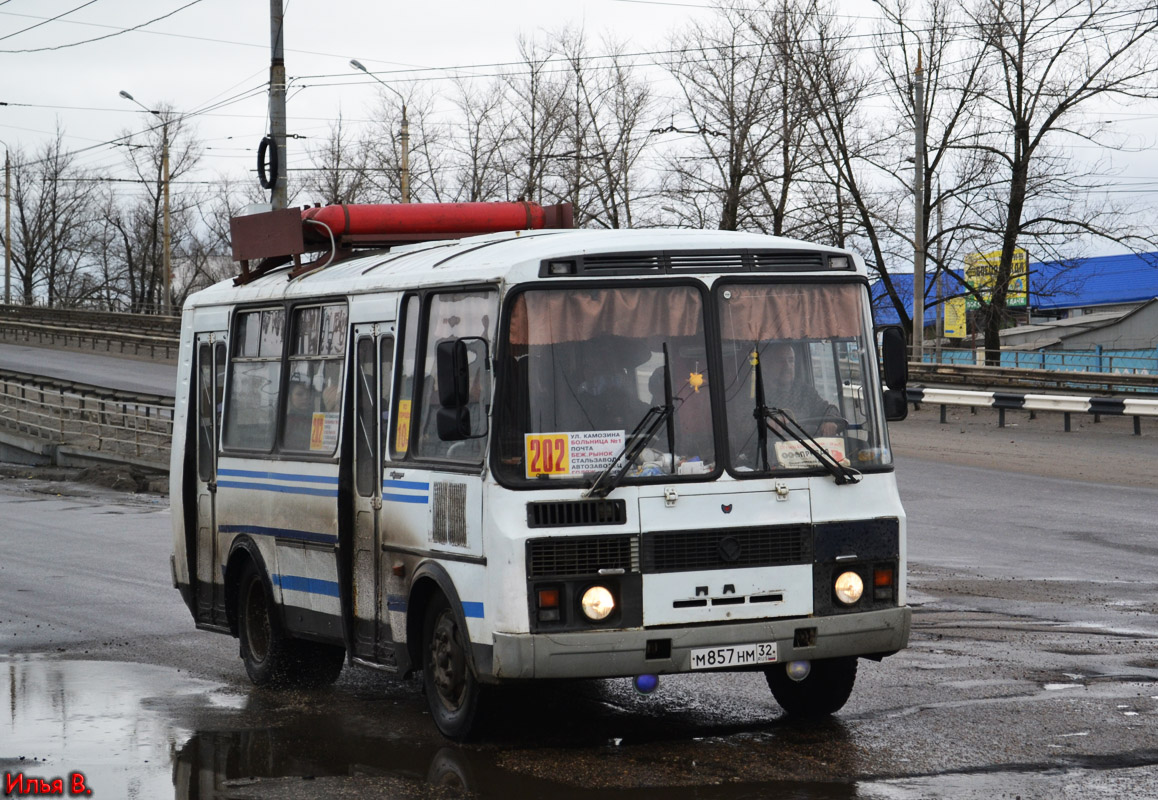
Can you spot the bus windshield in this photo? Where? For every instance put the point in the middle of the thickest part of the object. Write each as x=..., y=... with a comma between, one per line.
x=584, y=366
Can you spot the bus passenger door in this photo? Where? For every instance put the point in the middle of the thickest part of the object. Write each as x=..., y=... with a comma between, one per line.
x=210, y=393
x=373, y=359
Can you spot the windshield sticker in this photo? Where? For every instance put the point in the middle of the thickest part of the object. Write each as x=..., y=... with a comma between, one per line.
x=794, y=455
x=567, y=454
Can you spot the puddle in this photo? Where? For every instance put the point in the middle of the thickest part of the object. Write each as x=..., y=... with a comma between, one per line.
x=127, y=728
x=92, y=717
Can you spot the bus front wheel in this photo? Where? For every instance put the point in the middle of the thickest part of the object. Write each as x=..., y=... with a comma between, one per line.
x=452, y=690
x=824, y=691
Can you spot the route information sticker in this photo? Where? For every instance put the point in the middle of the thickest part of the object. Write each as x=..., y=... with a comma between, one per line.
x=793, y=455
x=569, y=454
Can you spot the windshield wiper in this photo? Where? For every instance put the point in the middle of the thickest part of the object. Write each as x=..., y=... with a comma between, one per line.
x=639, y=438
x=765, y=416
x=840, y=473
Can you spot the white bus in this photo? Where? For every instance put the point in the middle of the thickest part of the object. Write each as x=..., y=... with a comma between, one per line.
x=540, y=453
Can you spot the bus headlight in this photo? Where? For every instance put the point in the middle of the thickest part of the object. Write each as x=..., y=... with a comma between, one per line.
x=597, y=603
x=849, y=587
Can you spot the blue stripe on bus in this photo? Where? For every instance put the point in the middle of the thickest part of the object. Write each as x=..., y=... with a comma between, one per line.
x=268, y=487
x=281, y=533
x=406, y=498
x=298, y=583
x=472, y=610
x=276, y=476
x=419, y=485
x=395, y=602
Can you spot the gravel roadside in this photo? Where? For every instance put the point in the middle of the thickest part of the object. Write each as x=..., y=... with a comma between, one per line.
x=1098, y=452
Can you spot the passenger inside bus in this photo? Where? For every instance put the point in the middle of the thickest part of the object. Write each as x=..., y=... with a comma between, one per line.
x=299, y=416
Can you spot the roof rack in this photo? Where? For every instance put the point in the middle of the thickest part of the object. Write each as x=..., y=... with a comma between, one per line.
x=277, y=238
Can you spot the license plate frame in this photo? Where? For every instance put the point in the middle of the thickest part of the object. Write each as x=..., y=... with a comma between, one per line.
x=734, y=655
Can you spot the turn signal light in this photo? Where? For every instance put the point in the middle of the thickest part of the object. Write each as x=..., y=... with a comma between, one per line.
x=548, y=598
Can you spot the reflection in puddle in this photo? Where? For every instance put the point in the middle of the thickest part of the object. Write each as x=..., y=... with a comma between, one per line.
x=128, y=728
x=92, y=717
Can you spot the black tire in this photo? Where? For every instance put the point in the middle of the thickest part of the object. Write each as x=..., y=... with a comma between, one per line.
x=824, y=692
x=452, y=689
x=271, y=658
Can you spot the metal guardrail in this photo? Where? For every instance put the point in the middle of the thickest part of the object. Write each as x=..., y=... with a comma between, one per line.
x=1127, y=406
x=62, y=419
x=116, y=342
x=145, y=324
x=1022, y=378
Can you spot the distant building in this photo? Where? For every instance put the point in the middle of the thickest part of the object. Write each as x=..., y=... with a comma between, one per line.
x=1106, y=302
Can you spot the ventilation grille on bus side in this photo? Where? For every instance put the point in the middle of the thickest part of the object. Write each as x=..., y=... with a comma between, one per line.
x=568, y=513
x=449, y=514
x=681, y=551
x=581, y=555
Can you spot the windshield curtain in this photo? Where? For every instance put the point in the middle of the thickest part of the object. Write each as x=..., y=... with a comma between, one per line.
x=584, y=366
x=811, y=343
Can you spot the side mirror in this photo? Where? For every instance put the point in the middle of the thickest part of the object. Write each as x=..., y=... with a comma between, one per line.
x=453, y=424
x=896, y=357
x=460, y=365
x=896, y=405
x=452, y=366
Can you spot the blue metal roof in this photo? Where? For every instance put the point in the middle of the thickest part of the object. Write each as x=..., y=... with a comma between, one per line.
x=1053, y=285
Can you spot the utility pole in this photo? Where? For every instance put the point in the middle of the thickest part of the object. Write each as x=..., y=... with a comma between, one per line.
x=7, y=227
x=277, y=122
x=919, y=215
x=166, y=258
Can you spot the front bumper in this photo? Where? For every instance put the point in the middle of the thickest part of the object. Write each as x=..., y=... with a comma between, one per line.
x=610, y=654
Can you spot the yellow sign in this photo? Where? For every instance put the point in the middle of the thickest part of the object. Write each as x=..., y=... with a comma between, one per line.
x=548, y=454
x=955, y=327
x=317, y=430
x=402, y=436
x=981, y=273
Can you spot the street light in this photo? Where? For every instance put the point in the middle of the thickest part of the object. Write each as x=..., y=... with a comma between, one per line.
x=405, y=177
x=165, y=301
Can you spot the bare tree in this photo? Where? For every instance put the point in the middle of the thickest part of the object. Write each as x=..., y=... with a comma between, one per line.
x=51, y=200
x=132, y=229
x=486, y=131
x=739, y=78
x=538, y=121
x=1053, y=59
x=338, y=172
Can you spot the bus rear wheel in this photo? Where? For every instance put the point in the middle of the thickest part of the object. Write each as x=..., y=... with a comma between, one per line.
x=271, y=658
x=452, y=690
x=824, y=691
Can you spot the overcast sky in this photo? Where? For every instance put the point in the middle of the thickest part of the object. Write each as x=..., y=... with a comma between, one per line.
x=209, y=52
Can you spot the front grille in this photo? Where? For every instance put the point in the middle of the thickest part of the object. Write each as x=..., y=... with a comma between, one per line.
x=581, y=555
x=683, y=551
x=568, y=513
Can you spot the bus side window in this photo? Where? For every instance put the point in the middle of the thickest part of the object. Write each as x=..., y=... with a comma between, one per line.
x=403, y=411
x=386, y=356
x=456, y=316
x=313, y=404
x=255, y=380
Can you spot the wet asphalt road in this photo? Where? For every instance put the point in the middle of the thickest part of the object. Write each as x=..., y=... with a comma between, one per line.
x=1032, y=672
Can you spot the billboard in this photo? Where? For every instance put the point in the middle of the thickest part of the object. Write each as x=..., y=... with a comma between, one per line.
x=981, y=271
x=955, y=318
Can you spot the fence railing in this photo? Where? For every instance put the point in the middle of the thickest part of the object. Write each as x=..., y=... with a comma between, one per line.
x=1127, y=362
x=77, y=420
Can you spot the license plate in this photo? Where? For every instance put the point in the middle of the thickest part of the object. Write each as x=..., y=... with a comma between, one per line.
x=740, y=655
